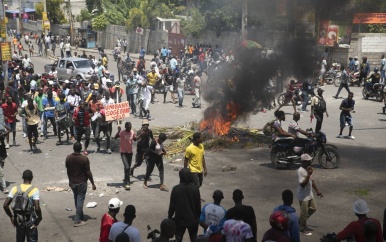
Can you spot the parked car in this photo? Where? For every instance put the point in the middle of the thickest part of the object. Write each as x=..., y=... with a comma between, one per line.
x=70, y=67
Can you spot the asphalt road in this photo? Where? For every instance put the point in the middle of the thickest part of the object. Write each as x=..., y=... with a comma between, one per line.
x=361, y=172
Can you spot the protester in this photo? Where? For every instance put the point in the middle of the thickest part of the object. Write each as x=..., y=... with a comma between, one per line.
x=279, y=228
x=237, y=230
x=304, y=193
x=195, y=160
x=109, y=219
x=142, y=144
x=119, y=229
x=49, y=105
x=213, y=213
x=28, y=219
x=103, y=126
x=78, y=172
x=31, y=115
x=62, y=116
x=10, y=112
x=356, y=228
x=347, y=107
x=248, y=213
x=156, y=152
x=185, y=206
x=344, y=78
x=318, y=108
x=293, y=220
x=3, y=154
x=81, y=119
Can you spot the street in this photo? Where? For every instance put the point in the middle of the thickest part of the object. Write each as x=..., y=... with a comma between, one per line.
x=361, y=172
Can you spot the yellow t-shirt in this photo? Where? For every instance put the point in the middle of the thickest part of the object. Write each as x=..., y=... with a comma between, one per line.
x=34, y=194
x=152, y=78
x=104, y=61
x=195, y=156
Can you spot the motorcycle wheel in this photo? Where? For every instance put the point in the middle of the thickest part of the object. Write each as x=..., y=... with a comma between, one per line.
x=365, y=96
x=280, y=99
x=329, y=159
x=330, y=79
x=337, y=82
x=275, y=158
x=379, y=96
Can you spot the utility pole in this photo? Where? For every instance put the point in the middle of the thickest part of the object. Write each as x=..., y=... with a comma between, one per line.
x=244, y=19
x=45, y=10
x=69, y=12
x=21, y=11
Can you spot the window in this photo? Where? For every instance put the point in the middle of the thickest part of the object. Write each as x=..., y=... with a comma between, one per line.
x=61, y=63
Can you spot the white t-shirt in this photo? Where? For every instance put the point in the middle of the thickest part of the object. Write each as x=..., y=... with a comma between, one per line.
x=304, y=193
x=323, y=65
x=293, y=128
x=383, y=63
x=26, y=62
x=73, y=100
x=212, y=214
x=146, y=92
x=118, y=227
x=236, y=230
x=107, y=102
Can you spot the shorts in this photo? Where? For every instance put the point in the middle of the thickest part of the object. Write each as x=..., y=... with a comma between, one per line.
x=322, y=74
x=12, y=126
x=345, y=119
x=168, y=88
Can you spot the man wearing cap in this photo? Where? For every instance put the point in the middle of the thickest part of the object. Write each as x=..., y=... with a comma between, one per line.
x=126, y=226
x=357, y=228
x=317, y=109
x=152, y=79
x=143, y=143
x=305, y=194
x=116, y=92
x=109, y=219
x=195, y=160
x=81, y=119
x=213, y=213
x=248, y=213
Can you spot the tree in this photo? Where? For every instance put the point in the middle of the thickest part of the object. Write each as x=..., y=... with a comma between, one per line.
x=115, y=17
x=54, y=13
x=84, y=15
x=100, y=22
x=195, y=25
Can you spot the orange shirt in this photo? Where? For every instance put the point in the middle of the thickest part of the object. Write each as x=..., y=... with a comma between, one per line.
x=14, y=41
x=95, y=106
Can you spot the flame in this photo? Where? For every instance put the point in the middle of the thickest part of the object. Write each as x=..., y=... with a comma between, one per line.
x=217, y=122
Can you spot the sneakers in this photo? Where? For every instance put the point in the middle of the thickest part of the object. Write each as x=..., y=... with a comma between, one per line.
x=5, y=191
x=7, y=146
x=108, y=151
x=351, y=137
x=127, y=187
x=24, y=135
x=339, y=136
x=306, y=233
x=81, y=223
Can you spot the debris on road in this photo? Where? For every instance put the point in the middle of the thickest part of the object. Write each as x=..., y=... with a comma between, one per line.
x=229, y=168
x=91, y=205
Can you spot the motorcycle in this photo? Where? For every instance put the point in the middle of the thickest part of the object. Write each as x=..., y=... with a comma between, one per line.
x=331, y=75
x=375, y=91
x=352, y=80
x=297, y=96
x=284, y=153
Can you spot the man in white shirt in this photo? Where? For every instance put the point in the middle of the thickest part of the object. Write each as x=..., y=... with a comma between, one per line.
x=383, y=68
x=304, y=192
x=145, y=99
x=323, y=67
x=67, y=48
x=131, y=233
x=26, y=61
x=236, y=229
x=107, y=100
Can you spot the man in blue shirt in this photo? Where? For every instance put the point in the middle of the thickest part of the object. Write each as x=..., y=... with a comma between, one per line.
x=164, y=53
x=142, y=52
x=49, y=105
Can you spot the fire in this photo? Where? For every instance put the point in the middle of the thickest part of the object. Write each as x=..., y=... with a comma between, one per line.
x=219, y=123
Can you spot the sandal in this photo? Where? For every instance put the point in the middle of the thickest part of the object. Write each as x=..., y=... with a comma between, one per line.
x=145, y=186
x=163, y=188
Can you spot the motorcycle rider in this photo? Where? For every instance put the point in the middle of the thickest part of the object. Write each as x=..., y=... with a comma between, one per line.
x=278, y=132
x=375, y=78
x=364, y=70
x=294, y=129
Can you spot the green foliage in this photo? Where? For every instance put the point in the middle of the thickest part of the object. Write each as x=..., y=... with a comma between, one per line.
x=137, y=19
x=100, y=22
x=55, y=14
x=375, y=28
x=84, y=15
x=195, y=25
x=115, y=17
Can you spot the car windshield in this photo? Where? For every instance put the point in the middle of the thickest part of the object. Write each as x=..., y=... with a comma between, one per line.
x=82, y=64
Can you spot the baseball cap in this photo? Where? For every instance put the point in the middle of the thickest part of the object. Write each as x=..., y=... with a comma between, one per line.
x=360, y=207
x=134, y=69
x=115, y=203
x=305, y=157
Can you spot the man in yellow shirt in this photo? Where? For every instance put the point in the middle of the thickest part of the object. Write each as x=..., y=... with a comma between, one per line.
x=26, y=223
x=195, y=160
x=152, y=79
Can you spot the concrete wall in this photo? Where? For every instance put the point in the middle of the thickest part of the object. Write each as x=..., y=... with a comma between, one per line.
x=227, y=40
x=36, y=27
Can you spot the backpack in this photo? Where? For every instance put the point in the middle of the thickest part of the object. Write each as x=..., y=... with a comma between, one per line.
x=268, y=128
x=22, y=208
x=122, y=236
x=322, y=106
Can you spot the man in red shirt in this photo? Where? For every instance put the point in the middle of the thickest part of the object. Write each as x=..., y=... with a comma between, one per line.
x=109, y=218
x=10, y=112
x=357, y=228
x=81, y=119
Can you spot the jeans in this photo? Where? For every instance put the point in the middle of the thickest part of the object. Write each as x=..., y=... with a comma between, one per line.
x=341, y=86
x=53, y=123
x=150, y=167
x=41, y=115
x=24, y=122
x=307, y=208
x=126, y=160
x=383, y=76
x=132, y=100
x=2, y=180
x=181, y=94
x=180, y=231
x=305, y=100
x=106, y=132
x=79, y=191
x=31, y=234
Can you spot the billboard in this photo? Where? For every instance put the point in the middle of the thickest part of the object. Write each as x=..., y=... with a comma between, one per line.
x=369, y=18
x=334, y=33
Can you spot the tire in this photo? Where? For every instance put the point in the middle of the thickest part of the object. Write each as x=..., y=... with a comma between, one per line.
x=275, y=158
x=364, y=94
x=337, y=82
x=323, y=160
x=379, y=96
x=280, y=99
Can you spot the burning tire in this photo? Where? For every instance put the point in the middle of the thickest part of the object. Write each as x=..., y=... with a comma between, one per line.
x=275, y=158
x=329, y=159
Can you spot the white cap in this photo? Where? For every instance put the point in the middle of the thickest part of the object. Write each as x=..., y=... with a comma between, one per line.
x=305, y=157
x=360, y=207
x=115, y=203
x=66, y=81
